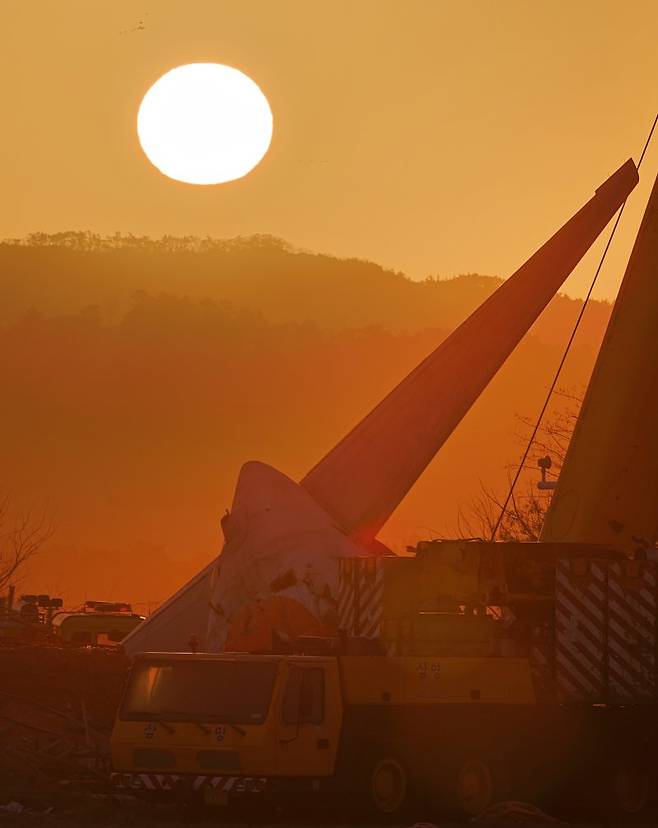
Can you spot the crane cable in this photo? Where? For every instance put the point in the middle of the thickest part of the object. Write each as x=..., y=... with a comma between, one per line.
x=566, y=350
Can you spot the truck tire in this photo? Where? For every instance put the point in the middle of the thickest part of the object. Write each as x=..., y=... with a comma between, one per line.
x=387, y=787
x=466, y=788
x=630, y=790
x=474, y=788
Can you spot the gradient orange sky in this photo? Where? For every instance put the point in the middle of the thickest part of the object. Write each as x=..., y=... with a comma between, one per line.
x=429, y=136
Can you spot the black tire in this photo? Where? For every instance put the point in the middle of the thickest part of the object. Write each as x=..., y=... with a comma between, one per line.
x=468, y=787
x=628, y=791
x=474, y=787
x=387, y=787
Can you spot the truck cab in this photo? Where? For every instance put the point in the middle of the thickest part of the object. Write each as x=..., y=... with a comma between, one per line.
x=215, y=724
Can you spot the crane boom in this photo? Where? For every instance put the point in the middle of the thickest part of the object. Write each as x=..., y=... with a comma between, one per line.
x=366, y=475
x=607, y=491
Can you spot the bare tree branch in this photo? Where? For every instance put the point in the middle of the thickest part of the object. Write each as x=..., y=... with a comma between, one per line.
x=21, y=538
x=526, y=509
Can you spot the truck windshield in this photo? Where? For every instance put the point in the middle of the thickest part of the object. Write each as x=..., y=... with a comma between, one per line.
x=234, y=692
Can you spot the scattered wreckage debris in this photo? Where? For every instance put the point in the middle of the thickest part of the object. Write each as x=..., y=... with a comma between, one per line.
x=56, y=712
x=507, y=814
x=516, y=813
x=48, y=754
x=64, y=678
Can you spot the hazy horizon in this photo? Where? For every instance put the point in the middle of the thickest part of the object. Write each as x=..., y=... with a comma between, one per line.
x=28, y=239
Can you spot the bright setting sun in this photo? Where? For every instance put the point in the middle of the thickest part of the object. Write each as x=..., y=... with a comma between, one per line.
x=204, y=123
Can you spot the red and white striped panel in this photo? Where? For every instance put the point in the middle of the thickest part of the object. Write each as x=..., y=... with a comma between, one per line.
x=146, y=781
x=632, y=630
x=346, y=594
x=169, y=782
x=579, y=630
x=605, y=630
x=361, y=596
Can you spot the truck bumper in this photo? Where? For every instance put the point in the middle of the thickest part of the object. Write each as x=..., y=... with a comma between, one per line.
x=173, y=783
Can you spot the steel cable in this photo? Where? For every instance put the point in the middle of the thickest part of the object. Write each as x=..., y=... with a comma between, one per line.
x=556, y=377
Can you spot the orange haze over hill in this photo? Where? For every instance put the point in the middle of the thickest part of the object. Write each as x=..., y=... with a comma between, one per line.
x=143, y=374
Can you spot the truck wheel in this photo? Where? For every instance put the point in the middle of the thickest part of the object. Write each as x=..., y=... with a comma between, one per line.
x=474, y=787
x=630, y=789
x=388, y=786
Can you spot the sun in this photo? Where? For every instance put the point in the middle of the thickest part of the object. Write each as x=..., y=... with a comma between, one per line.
x=204, y=123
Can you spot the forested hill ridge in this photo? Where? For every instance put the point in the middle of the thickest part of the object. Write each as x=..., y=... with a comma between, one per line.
x=138, y=376
x=64, y=273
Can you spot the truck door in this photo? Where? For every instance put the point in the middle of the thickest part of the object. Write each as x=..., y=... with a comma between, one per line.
x=310, y=717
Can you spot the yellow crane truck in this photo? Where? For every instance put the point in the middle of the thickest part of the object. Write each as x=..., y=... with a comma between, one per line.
x=451, y=681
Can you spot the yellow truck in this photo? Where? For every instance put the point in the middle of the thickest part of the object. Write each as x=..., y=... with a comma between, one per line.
x=230, y=724
x=443, y=687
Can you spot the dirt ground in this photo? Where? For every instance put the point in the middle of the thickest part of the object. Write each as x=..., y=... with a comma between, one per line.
x=94, y=821
x=109, y=813
x=57, y=707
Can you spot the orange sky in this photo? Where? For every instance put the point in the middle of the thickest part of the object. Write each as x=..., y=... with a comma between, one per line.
x=429, y=136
